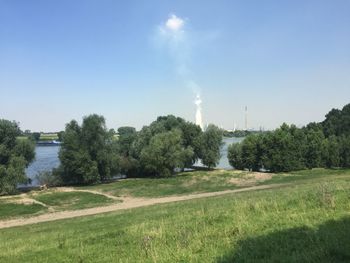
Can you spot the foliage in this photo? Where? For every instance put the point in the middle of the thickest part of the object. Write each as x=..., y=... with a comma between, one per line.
x=191, y=144
x=88, y=154
x=60, y=135
x=164, y=153
x=210, y=143
x=344, y=151
x=48, y=178
x=234, y=155
x=289, y=148
x=15, y=156
x=91, y=154
x=337, y=122
x=36, y=136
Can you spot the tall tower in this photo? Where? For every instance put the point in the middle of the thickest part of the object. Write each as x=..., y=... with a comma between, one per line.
x=246, y=118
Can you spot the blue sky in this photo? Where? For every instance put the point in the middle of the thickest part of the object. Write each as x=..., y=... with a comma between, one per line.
x=288, y=61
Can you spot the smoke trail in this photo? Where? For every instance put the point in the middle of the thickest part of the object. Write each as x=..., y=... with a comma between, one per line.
x=174, y=37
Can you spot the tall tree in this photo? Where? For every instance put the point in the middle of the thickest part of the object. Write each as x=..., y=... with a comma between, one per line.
x=164, y=153
x=331, y=152
x=15, y=156
x=88, y=153
x=210, y=144
x=234, y=155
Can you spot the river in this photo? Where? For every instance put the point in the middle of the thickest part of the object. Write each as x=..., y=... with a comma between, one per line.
x=46, y=158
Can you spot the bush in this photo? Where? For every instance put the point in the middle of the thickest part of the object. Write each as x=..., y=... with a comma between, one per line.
x=48, y=178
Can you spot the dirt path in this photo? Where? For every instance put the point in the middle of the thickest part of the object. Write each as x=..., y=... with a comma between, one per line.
x=128, y=203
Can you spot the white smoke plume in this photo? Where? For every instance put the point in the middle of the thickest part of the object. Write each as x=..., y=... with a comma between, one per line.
x=174, y=36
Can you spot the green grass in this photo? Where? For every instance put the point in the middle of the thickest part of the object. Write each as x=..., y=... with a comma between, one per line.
x=22, y=137
x=72, y=200
x=305, y=223
x=48, y=137
x=183, y=183
x=205, y=181
x=305, y=175
x=10, y=209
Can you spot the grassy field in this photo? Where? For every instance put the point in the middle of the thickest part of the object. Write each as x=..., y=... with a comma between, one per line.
x=71, y=200
x=305, y=175
x=306, y=222
x=10, y=208
x=209, y=181
x=22, y=137
x=183, y=183
x=48, y=137
x=52, y=201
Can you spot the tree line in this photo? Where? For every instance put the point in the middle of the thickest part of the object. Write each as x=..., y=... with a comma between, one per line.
x=90, y=153
x=288, y=148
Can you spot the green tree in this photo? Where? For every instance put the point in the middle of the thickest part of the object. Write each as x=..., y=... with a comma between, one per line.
x=164, y=153
x=127, y=136
x=88, y=153
x=314, y=147
x=190, y=136
x=284, y=149
x=250, y=155
x=337, y=122
x=331, y=152
x=36, y=136
x=15, y=156
x=344, y=151
x=210, y=144
x=59, y=135
x=234, y=155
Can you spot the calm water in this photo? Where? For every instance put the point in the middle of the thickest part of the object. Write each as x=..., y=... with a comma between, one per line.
x=47, y=159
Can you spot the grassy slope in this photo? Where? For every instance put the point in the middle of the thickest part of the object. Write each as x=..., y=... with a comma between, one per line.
x=308, y=222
